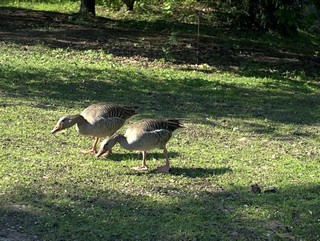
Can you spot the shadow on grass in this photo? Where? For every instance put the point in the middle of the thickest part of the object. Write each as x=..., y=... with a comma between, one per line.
x=285, y=101
x=231, y=51
x=16, y=223
x=218, y=214
x=198, y=172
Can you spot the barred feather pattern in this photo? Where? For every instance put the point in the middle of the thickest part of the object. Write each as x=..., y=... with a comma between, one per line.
x=145, y=135
x=104, y=119
x=152, y=125
x=108, y=110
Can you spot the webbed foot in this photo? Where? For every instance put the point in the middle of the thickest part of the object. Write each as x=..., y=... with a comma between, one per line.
x=140, y=168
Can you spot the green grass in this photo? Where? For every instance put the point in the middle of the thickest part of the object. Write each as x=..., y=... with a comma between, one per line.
x=55, y=6
x=241, y=128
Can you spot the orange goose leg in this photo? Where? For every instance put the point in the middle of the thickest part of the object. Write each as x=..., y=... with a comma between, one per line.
x=93, y=150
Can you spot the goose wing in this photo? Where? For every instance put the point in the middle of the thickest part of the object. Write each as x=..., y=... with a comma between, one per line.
x=106, y=118
x=149, y=134
x=108, y=110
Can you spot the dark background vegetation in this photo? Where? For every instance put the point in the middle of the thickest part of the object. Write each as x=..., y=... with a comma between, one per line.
x=283, y=16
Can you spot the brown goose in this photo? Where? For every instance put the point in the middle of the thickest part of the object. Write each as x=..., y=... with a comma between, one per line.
x=143, y=136
x=97, y=120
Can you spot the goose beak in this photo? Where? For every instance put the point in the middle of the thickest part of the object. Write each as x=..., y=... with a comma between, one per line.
x=56, y=129
x=100, y=153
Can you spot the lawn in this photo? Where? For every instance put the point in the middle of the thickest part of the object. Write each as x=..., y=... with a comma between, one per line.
x=251, y=114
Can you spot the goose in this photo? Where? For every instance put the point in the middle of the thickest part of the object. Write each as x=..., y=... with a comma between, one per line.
x=97, y=120
x=145, y=135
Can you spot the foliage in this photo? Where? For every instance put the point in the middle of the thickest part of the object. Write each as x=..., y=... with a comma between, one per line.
x=113, y=4
x=280, y=15
x=283, y=16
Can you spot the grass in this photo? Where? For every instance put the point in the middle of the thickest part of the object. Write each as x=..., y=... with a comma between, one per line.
x=242, y=127
x=54, y=6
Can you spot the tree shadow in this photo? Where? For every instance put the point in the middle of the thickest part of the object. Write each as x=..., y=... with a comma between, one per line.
x=16, y=221
x=195, y=214
x=234, y=51
x=285, y=101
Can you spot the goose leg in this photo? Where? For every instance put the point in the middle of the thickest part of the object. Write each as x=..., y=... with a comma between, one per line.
x=143, y=166
x=93, y=150
x=166, y=167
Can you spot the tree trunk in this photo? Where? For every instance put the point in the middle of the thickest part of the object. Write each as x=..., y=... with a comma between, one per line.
x=129, y=4
x=88, y=6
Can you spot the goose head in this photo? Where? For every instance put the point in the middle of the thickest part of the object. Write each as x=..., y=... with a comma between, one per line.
x=64, y=123
x=107, y=144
